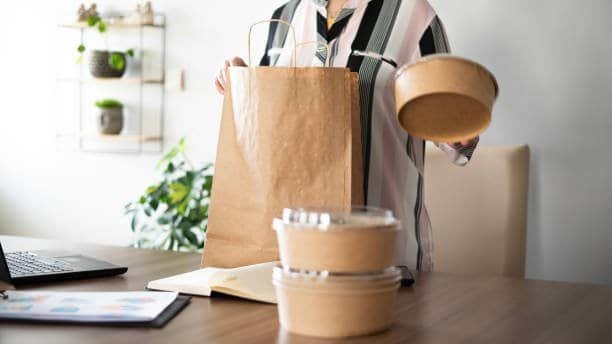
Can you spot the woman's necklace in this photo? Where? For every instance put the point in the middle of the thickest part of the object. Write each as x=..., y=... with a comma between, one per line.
x=331, y=18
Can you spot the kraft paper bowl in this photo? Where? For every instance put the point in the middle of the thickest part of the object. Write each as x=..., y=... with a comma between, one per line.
x=357, y=241
x=445, y=98
x=335, y=306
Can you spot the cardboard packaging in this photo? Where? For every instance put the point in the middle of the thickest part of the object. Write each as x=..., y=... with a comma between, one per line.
x=335, y=306
x=444, y=98
x=289, y=137
x=359, y=241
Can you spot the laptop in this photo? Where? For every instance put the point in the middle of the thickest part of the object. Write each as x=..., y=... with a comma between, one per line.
x=47, y=266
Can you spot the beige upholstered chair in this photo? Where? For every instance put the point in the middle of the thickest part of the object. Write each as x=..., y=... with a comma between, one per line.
x=479, y=212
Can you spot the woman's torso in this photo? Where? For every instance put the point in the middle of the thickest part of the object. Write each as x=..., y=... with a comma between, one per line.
x=393, y=160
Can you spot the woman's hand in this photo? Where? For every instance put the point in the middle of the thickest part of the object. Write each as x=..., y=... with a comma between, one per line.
x=464, y=143
x=221, y=79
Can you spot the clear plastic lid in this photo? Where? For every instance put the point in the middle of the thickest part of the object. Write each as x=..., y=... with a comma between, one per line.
x=390, y=275
x=332, y=219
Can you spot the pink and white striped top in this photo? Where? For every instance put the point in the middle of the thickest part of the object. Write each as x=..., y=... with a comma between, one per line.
x=374, y=38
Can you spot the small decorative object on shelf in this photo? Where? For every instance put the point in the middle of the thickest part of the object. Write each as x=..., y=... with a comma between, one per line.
x=110, y=120
x=146, y=16
x=83, y=15
x=143, y=15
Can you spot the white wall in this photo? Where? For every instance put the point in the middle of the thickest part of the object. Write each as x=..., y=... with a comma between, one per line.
x=551, y=58
x=47, y=192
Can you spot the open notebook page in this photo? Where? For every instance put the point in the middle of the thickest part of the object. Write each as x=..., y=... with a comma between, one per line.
x=253, y=282
x=194, y=282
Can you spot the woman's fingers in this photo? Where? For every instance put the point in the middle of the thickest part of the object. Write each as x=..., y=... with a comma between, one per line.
x=464, y=142
x=221, y=79
x=226, y=65
x=220, y=82
x=223, y=73
x=219, y=87
x=237, y=62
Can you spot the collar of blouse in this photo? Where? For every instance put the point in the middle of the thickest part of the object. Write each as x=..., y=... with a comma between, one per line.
x=322, y=4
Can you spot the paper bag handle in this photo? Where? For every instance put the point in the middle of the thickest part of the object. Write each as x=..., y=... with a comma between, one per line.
x=280, y=21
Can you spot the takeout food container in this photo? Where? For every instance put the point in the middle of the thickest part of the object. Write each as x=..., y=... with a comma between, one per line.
x=357, y=241
x=334, y=306
x=445, y=98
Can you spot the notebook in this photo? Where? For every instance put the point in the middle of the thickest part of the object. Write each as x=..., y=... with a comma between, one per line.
x=252, y=282
x=147, y=309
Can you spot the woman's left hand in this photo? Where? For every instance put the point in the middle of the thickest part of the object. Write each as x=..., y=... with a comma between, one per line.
x=464, y=142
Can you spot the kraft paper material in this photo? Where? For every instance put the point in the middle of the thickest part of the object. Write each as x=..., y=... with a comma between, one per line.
x=290, y=137
x=444, y=98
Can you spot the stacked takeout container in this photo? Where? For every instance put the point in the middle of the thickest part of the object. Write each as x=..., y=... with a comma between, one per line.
x=336, y=277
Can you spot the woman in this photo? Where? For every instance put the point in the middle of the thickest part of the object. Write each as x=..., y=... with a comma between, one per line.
x=373, y=38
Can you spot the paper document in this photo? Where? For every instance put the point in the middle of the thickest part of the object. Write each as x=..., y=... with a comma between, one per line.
x=253, y=282
x=85, y=306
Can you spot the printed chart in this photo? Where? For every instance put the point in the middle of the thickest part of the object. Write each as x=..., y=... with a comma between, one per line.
x=85, y=306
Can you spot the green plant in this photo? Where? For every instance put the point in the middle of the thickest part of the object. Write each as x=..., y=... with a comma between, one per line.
x=109, y=104
x=115, y=59
x=173, y=213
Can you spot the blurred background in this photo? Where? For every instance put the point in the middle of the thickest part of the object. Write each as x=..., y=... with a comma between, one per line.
x=551, y=59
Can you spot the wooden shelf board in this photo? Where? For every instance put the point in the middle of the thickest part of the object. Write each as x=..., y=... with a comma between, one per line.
x=112, y=138
x=128, y=80
x=119, y=25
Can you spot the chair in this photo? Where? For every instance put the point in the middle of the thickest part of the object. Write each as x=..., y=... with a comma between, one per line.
x=479, y=212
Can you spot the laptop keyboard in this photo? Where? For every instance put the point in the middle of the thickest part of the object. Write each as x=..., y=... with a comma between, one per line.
x=26, y=263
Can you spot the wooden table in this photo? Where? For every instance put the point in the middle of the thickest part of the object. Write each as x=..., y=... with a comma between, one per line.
x=441, y=308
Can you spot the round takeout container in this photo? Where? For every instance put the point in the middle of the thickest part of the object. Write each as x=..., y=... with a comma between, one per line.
x=328, y=305
x=445, y=98
x=358, y=241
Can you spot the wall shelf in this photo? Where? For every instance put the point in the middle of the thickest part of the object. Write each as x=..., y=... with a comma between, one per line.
x=145, y=105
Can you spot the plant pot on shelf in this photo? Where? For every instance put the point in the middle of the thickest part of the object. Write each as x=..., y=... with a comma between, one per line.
x=110, y=121
x=101, y=66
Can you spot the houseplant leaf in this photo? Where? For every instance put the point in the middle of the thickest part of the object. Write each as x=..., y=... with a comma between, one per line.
x=178, y=191
x=116, y=60
x=172, y=214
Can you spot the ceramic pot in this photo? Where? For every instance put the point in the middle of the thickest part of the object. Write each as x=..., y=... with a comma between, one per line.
x=100, y=67
x=110, y=121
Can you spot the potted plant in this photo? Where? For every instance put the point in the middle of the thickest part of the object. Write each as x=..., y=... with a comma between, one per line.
x=105, y=63
x=173, y=213
x=110, y=119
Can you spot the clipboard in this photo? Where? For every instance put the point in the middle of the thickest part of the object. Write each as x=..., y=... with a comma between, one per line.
x=162, y=319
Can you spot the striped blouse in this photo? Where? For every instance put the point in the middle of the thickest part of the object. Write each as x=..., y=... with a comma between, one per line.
x=373, y=38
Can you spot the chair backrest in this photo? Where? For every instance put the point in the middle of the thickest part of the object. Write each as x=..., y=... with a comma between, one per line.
x=479, y=212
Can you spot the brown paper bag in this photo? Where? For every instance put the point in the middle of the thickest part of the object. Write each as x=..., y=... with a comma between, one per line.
x=290, y=137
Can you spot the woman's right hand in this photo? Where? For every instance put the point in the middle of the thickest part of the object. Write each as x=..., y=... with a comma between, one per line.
x=221, y=79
